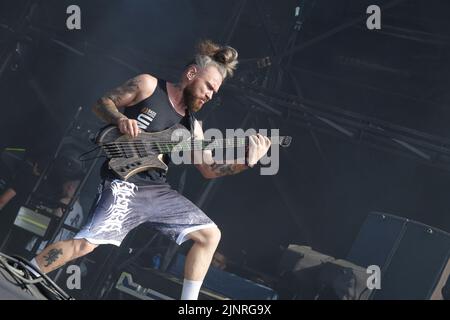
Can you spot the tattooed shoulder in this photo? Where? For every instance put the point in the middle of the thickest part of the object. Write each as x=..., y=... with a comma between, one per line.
x=129, y=87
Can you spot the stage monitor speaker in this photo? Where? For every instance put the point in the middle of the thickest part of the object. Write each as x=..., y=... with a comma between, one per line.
x=227, y=284
x=137, y=283
x=413, y=257
x=296, y=258
x=299, y=271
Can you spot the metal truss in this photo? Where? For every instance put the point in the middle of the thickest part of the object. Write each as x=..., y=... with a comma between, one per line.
x=426, y=148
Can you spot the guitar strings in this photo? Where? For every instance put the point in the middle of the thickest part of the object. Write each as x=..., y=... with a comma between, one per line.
x=122, y=152
x=115, y=149
x=160, y=144
x=140, y=142
x=141, y=146
x=177, y=142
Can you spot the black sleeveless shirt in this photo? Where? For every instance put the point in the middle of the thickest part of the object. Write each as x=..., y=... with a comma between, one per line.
x=153, y=114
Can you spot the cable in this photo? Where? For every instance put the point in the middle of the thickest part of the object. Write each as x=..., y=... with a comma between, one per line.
x=23, y=277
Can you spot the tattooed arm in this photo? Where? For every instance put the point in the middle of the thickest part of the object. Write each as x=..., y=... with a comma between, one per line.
x=222, y=169
x=209, y=168
x=131, y=92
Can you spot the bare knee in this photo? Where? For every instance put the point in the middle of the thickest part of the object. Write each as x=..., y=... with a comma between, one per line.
x=83, y=247
x=209, y=237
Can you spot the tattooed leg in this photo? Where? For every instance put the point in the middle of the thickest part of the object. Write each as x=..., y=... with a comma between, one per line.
x=52, y=256
x=58, y=254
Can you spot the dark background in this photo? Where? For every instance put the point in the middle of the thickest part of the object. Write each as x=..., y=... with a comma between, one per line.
x=326, y=185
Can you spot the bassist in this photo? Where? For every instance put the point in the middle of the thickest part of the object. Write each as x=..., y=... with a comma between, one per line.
x=152, y=105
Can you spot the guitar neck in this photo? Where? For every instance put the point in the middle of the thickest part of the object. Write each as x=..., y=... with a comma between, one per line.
x=236, y=142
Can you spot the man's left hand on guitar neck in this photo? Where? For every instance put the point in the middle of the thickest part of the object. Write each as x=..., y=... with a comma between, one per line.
x=258, y=147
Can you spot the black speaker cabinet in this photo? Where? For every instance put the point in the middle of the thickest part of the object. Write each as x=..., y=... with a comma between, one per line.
x=413, y=257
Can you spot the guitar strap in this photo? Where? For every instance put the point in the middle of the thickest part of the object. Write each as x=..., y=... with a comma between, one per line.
x=191, y=122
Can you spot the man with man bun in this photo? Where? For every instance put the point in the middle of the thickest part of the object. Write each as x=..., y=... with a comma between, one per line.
x=151, y=104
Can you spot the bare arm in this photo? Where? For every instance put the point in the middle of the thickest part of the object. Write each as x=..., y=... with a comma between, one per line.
x=130, y=93
x=59, y=211
x=6, y=196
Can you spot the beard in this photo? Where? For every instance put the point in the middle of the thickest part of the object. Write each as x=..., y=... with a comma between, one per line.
x=193, y=103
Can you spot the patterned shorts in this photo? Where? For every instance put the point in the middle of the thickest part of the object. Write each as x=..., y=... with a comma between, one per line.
x=122, y=206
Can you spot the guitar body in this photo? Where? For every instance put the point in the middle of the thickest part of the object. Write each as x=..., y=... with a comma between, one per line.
x=129, y=156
